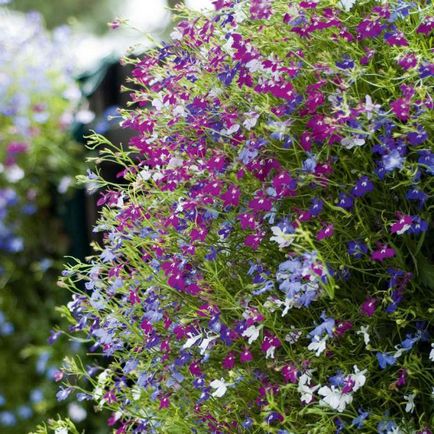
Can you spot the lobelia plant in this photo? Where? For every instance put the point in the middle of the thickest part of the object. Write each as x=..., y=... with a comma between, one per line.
x=267, y=264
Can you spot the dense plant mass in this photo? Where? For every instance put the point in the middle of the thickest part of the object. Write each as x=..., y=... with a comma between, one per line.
x=267, y=266
x=38, y=160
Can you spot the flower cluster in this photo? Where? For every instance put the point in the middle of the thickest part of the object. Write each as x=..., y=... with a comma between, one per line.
x=266, y=262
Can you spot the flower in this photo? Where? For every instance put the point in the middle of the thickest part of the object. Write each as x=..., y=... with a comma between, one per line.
x=220, y=387
x=362, y=187
x=410, y=406
x=334, y=398
x=368, y=307
x=384, y=252
x=385, y=360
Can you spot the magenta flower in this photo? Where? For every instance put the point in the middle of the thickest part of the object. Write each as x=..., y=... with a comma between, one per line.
x=260, y=9
x=402, y=378
x=232, y=196
x=290, y=374
x=427, y=26
x=384, y=252
x=260, y=203
x=402, y=225
x=342, y=327
x=177, y=281
x=195, y=370
x=407, y=61
x=198, y=234
x=369, y=29
x=369, y=54
x=284, y=184
x=326, y=232
x=229, y=361
x=368, y=307
x=401, y=109
x=396, y=39
x=246, y=356
x=164, y=402
x=247, y=221
x=254, y=240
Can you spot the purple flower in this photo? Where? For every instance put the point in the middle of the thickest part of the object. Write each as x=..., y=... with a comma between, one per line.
x=362, y=187
x=396, y=39
x=427, y=26
x=273, y=417
x=345, y=63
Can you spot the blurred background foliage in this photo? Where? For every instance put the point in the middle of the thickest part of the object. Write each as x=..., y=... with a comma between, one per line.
x=93, y=14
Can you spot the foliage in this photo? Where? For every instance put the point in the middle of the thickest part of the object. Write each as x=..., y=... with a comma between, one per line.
x=38, y=160
x=267, y=264
x=95, y=14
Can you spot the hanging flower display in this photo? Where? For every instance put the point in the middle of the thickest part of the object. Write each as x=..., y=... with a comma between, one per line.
x=267, y=263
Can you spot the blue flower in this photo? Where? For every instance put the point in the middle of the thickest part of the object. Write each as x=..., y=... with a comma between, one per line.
x=385, y=360
x=359, y=421
x=393, y=160
x=415, y=194
x=345, y=201
x=357, y=248
x=362, y=187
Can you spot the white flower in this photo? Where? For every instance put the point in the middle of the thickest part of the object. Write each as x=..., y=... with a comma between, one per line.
x=351, y=142
x=252, y=333
x=191, y=341
x=334, y=398
x=281, y=238
x=220, y=387
x=204, y=344
x=76, y=412
x=175, y=162
x=410, y=406
x=176, y=35
x=254, y=65
x=305, y=389
x=179, y=110
x=318, y=345
x=347, y=4
x=14, y=173
x=61, y=431
x=431, y=354
x=251, y=119
x=370, y=107
x=364, y=331
x=358, y=377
